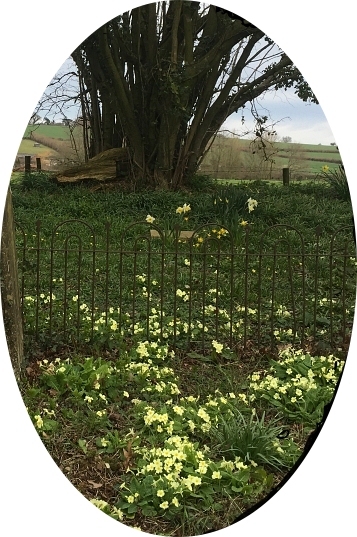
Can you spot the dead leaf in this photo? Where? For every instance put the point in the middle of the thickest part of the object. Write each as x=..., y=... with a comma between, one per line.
x=94, y=484
x=114, y=416
x=128, y=456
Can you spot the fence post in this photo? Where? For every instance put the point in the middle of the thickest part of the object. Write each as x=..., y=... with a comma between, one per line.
x=27, y=164
x=38, y=164
x=286, y=176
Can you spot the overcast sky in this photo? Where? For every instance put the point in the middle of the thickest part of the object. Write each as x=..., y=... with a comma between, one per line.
x=305, y=123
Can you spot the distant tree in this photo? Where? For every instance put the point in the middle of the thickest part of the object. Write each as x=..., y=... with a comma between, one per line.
x=67, y=122
x=35, y=119
x=286, y=139
x=264, y=149
x=295, y=160
x=46, y=120
x=333, y=143
x=224, y=157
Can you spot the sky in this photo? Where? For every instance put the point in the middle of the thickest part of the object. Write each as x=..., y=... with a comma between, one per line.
x=304, y=123
x=35, y=496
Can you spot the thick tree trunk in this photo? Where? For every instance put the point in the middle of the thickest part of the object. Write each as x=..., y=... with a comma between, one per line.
x=10, y=292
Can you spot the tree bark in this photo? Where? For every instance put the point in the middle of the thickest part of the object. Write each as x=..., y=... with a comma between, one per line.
x=10, y=291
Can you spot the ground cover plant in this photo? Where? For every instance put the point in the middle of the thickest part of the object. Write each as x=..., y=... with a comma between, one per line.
x=114, y=383
x=156, y=454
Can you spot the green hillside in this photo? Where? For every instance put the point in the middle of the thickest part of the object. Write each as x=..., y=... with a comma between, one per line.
x=27, y=147
x=60, y=132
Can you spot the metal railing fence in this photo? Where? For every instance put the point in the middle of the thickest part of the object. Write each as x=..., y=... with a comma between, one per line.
x=187, y=288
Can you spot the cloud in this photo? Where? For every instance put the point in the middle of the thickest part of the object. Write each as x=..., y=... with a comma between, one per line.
x=304, y=122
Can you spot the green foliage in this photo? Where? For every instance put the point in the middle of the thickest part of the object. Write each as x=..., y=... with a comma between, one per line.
x=40, y=181
x=174, y=458
x=229, y=205
x=199, y=183
x=298, y=385
x=337, y=180
x=254, y=440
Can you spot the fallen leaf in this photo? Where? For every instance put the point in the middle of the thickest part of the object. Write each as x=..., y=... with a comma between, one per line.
x=95, y=485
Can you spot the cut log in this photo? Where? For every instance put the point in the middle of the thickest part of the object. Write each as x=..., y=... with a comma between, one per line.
x=113, y=164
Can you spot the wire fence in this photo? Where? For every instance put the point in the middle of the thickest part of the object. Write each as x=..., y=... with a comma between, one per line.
x=187, y=288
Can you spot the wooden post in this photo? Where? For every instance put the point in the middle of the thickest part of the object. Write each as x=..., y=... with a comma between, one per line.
x=286, y=176
x=38, y=164
x=10, y=289
x=27, y=164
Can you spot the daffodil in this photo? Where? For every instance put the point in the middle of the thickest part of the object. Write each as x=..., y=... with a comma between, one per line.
x=252, y=204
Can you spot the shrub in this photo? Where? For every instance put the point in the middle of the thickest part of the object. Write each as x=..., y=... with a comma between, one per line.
x=338, y=181
x=254, y=440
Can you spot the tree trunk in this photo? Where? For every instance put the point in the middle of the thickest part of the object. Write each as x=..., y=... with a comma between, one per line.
x=10, y=292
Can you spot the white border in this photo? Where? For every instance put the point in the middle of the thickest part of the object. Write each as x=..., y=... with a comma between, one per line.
x=36, y=38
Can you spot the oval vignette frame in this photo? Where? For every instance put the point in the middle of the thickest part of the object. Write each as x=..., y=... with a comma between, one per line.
x=277, y=518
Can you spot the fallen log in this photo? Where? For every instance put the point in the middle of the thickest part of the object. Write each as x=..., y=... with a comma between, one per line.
x=111, y=165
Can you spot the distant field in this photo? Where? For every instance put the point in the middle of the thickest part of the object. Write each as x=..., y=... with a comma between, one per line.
x=27, y=147
x=234, y=158
x=60, y=132
x=54, y=140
